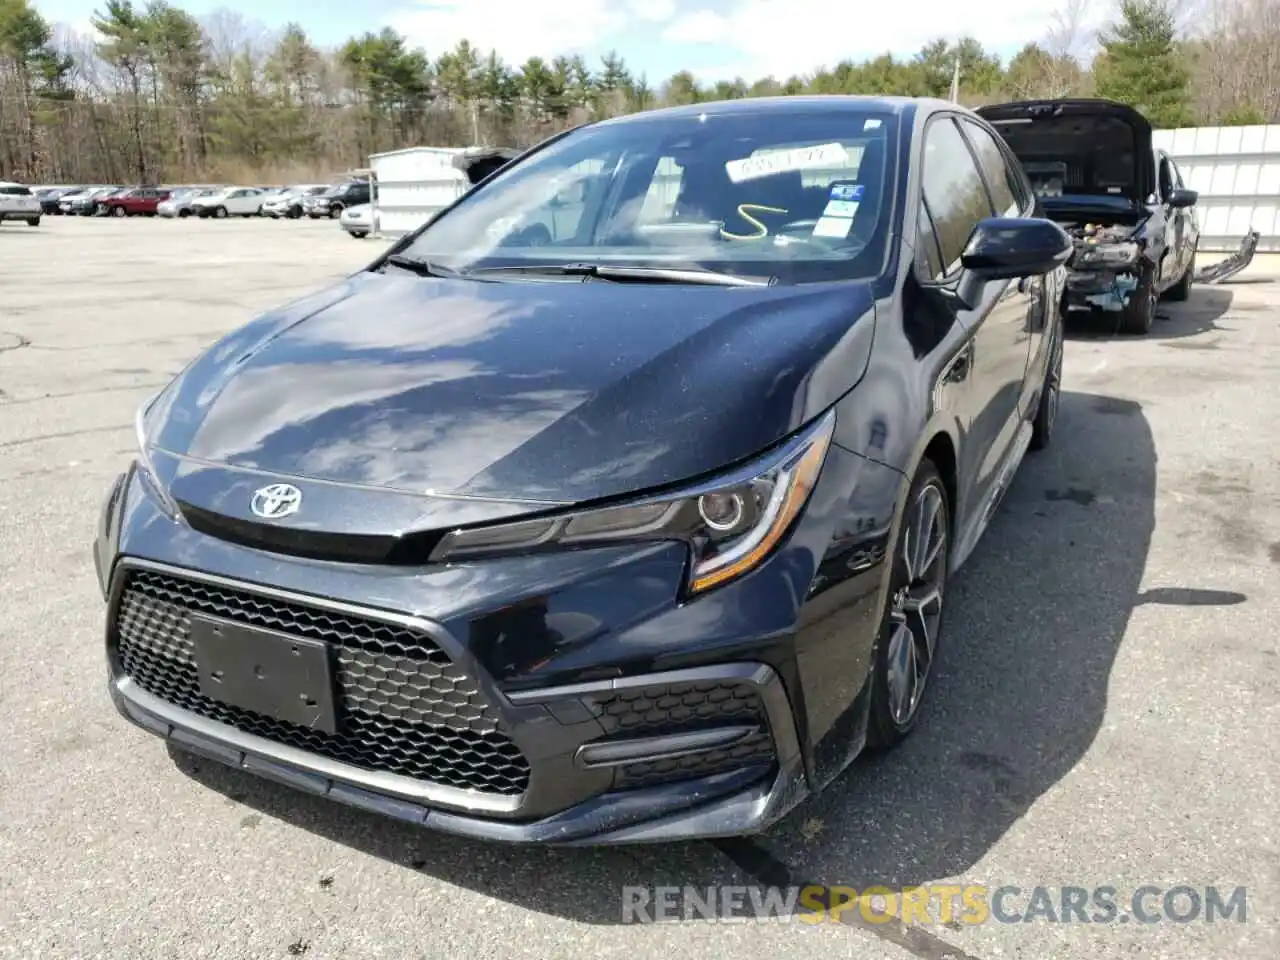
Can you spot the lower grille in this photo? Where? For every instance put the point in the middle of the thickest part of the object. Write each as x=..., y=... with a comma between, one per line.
x=678, y=707
x=756, y=750
x=408, y=709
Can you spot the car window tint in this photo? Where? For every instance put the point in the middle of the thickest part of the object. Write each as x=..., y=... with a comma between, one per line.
x=953, y=188
x=1001, y=179
x=15, y=191
x=928, y=257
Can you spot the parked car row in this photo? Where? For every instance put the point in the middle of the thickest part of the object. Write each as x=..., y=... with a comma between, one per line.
x=217, y=201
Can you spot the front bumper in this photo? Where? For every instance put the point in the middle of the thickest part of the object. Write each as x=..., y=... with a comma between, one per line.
x=569, y=698
x=731, y=802
x=672, y=754
x=1101, y=288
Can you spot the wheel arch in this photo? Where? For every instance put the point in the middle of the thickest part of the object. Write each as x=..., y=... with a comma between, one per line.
x=940, y=450
x=938, y=444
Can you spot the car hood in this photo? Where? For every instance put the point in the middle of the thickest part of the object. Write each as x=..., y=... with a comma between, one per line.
x=1075, y=210
x=533, y=391
x=1087, y=146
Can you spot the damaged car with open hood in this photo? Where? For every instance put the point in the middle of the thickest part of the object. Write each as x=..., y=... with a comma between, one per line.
x=1097, y=172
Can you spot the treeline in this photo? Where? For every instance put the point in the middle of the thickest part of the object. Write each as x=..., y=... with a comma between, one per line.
x=158, y=95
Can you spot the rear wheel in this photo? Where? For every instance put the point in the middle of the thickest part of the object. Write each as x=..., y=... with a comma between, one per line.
x=33, y=221
x=118, y=211
x=183, y=214
x=906, y=648
x=358, y=234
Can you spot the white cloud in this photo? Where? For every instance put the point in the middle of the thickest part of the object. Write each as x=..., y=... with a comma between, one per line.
x=701, y=26
x=785, y=37
x=654, y=11
x=517, y=29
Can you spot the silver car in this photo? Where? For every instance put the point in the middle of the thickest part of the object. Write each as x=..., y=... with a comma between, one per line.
x=359, y=221
x=288, y=204
x=181, y=203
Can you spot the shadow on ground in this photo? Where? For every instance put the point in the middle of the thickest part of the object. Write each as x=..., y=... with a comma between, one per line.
x=1198, y=314
x=1034, y=623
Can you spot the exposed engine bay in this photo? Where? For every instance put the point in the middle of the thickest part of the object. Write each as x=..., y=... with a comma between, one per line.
x=1106, y=267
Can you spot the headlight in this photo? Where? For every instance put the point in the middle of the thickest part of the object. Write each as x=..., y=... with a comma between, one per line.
x=146, y=467
x=1111, y=254
x=730, y=524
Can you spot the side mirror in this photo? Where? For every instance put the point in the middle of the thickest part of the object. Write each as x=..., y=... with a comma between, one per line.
x=1181, y=197
x=1006, y=248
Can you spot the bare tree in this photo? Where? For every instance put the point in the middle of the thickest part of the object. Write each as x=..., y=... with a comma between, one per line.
x=1238, y=60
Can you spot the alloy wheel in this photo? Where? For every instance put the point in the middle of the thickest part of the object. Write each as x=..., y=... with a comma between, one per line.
x=916, y=609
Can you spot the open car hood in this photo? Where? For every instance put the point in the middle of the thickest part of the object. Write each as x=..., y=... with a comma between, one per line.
x=478, y=163
x=1079, y=147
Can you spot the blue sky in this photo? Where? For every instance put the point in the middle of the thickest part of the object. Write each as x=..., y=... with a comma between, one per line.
x=715, y=38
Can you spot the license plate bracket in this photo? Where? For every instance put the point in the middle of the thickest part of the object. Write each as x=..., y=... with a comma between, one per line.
x=271, y=673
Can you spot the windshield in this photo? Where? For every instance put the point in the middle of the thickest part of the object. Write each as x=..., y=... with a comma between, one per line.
x=800, y=196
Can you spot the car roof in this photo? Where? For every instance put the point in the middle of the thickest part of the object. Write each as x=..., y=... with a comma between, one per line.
x=797, y=104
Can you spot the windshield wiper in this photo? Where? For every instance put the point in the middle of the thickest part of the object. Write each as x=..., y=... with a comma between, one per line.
x=625, y=274
x=423, y=268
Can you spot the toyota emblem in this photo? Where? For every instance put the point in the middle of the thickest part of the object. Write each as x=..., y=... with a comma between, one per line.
x=276, y=501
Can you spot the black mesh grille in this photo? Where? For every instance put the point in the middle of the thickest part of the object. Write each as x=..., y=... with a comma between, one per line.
x=671, y=708
x=407, y=708
x=757, y=749
x=680, y=706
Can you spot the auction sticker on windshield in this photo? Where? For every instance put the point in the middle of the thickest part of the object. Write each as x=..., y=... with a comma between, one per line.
x=784, y=161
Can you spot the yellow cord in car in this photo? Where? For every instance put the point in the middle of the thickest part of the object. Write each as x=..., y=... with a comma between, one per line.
x=761, y=229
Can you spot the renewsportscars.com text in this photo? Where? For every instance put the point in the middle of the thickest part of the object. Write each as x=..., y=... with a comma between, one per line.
x=950, y=904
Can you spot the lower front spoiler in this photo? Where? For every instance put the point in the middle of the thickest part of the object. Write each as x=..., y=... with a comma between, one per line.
x=739, y=802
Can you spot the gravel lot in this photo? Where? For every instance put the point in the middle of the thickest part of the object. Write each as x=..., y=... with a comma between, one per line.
x=1107, y=711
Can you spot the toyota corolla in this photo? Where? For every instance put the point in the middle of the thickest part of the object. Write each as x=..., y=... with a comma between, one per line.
x=618, y=502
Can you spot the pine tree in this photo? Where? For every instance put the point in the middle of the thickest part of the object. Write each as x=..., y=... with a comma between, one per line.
x=1140, y=64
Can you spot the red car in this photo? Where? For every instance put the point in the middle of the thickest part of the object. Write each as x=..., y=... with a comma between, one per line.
x=138, y=202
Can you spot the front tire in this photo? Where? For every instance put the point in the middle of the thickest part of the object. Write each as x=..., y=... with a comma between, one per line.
x=1181, y=290
x=907, y=646
x=33, y=221
x=1140, y=312
x=118, y=211
x=358, y=234
x=335, y=211
x=220, y=212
